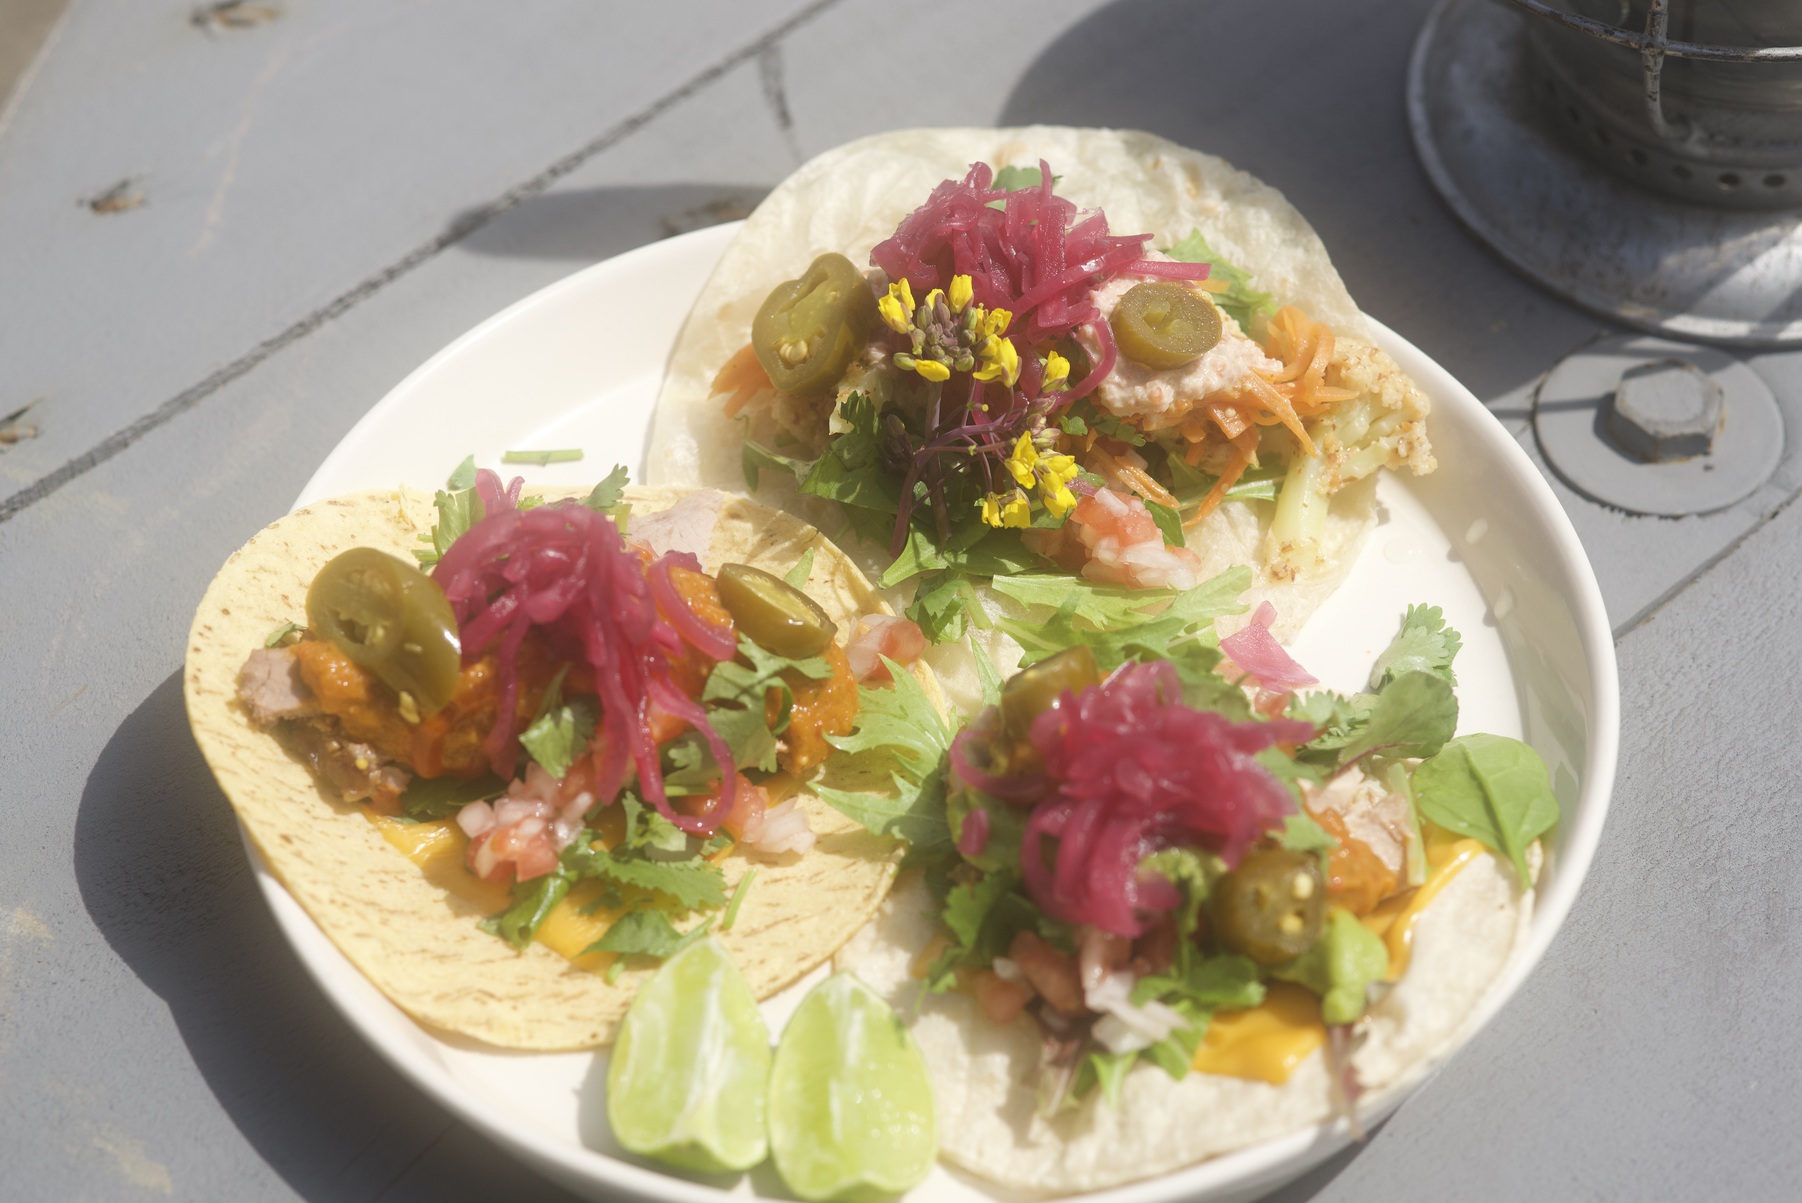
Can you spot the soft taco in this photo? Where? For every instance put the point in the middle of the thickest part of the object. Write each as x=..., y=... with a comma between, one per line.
x=506, y=789
x=1193, y=906
x=976, y=354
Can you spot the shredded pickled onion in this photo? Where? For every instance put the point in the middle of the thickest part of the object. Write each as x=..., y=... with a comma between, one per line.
x=1131, y=770
x=1032, y=257
x=563, y=569
x=1256, y=650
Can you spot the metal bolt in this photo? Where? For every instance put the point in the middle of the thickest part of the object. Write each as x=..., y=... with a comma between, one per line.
x=1667, y=410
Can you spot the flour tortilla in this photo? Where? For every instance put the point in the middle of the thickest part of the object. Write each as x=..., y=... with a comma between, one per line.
x=853, y=197
x=420, y=945
x=982, y=1074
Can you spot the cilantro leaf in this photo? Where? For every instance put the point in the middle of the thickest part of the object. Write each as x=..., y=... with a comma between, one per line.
x=457, y=512
x=1424, y=644
x=606, y=495
x=850, y=471
x=1413, y=715
x=745, y=684
x=558, y=736
x=276, y=637
x=693, y=884
x=643, y=932
x=532, y=901
x=1490, y=788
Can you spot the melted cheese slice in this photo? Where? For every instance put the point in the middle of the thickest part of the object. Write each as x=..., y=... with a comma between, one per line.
x=1395, y=919
x=1265, y=1042
x=437, y=847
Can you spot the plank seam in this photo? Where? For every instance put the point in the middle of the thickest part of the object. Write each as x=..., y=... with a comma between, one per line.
x=463, y=226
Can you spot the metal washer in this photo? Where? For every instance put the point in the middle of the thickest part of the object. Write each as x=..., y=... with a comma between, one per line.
x=1570, y=412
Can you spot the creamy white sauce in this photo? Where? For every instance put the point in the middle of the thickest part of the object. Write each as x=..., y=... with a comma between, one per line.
x=1132, y=390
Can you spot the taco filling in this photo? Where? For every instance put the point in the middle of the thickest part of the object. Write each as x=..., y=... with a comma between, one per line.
x=1183, y=893
x=1007, y=382
x=589, y=741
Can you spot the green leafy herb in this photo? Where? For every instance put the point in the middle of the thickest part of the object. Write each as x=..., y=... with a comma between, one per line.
x=541, y=458
x=898, y=717
x=849, y=473
x=738, y=898
x=945, y=605
x=1170, y=523
x=532, y=901
x=915, y=812
x=457, y=512
x=745, y=684
x=1413, y=715
x=560, y=734
x=1116, y=623
x=755, y=458
x=796, y=577
x=1240, y=301
x=277, y=636
x=1085, y=416
x=605, y=496
x=974, y=550
x=1490, y=788
x=1424, y=644
x=645, y=932
x=1109, y=1071
x=693, y=884
x=1302, y=834
x=463, y=476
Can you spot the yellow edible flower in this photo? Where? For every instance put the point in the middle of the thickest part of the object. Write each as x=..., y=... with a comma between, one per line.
x=961, y=292
x=1007, y=510
x=897, y=308
x=992, y=321
x=998, y=359
x=1057, y=371
x=1050, y=473
x=1023, y=460
x=932, y=370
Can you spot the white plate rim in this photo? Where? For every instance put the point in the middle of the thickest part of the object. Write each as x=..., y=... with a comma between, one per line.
x=1242, y=1173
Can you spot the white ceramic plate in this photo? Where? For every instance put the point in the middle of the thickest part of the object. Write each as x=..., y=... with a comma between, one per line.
x=578, y=365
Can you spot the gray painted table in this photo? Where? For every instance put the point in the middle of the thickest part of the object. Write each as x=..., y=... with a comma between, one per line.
x=223, y=240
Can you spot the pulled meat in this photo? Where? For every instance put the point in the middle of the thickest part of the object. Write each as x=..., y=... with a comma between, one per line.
x=271, y=688
x=356, y=770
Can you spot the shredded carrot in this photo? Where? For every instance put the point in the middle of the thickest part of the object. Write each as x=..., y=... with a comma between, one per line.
x=739, y=380
x=1245, y=449
x=1133, y=476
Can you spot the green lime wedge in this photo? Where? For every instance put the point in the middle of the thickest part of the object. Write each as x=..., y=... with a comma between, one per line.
x=850, y=1103
x=691, y=1068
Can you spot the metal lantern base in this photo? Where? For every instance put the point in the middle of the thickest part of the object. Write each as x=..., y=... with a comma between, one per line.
x=1486, y=127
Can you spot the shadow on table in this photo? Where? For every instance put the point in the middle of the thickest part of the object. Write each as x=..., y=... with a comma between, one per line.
x=163, y=874
x=1310, y=98
x=588, y=224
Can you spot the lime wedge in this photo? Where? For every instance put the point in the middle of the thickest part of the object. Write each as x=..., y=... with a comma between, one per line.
x=850, y=1103
x=691, y=1068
